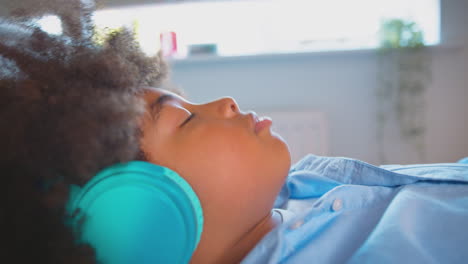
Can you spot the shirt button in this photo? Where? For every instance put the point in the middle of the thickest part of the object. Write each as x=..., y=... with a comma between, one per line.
x=297, y=224
x=337, y=205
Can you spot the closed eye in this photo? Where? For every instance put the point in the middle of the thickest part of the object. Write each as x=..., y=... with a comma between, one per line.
x=187, y=120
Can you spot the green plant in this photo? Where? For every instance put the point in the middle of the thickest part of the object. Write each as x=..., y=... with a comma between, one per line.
x=398, y=33
x=403, y=75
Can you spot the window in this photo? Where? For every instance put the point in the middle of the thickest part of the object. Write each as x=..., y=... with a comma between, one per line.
x=272, y=26
x=51, y=24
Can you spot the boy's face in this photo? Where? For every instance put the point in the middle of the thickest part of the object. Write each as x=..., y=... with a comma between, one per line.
x=233, y=169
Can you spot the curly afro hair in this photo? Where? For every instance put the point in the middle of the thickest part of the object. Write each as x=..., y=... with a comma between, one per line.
x=68, y=108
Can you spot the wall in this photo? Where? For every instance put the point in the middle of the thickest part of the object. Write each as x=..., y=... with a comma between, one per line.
x=448, y=136
x=343, y=86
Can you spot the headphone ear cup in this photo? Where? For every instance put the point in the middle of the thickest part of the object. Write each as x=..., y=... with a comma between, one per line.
x=138, y=212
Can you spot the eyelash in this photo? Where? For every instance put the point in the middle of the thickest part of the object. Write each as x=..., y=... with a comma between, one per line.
x=187, y=120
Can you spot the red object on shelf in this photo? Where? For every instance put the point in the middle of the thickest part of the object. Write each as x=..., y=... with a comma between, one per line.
x=168, y=43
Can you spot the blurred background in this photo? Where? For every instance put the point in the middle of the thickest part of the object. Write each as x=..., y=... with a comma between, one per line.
x=384, y=81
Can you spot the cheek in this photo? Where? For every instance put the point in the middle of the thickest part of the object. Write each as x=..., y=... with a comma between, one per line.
x=219, y=150
x=223, y=144
x=227, y=164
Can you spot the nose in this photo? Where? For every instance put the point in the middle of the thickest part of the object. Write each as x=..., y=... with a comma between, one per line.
x=228, y=107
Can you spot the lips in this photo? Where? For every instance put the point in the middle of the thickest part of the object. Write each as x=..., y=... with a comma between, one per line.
x=260, y=123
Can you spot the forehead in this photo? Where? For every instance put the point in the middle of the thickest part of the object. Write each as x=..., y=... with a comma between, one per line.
x=151, y=94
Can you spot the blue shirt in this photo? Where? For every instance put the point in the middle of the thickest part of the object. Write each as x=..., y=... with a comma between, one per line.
x=338, y=210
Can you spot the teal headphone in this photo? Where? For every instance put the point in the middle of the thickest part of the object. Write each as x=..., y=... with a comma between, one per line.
x=137, y=212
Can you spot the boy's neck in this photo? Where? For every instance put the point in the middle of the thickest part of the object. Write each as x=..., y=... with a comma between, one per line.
x=249, y=240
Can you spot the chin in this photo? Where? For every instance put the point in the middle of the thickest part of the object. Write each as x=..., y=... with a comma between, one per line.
x=283, y=150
